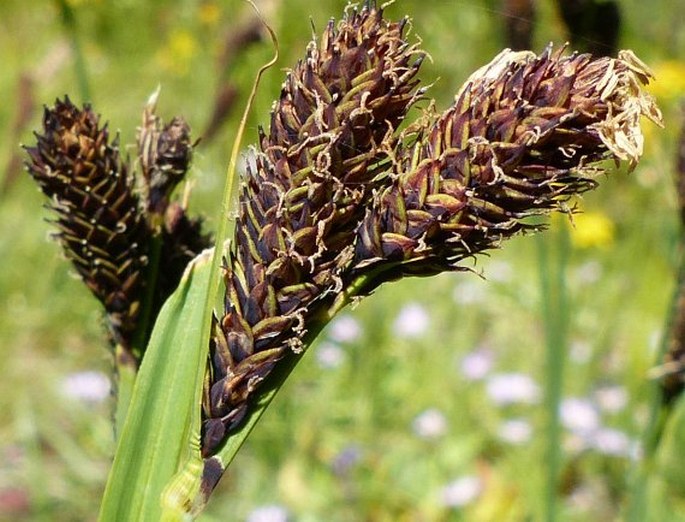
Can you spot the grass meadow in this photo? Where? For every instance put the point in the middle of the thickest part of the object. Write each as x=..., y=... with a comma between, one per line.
x=428, y=401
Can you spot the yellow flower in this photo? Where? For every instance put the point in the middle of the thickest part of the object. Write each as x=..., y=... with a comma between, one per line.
x=592, y=229
x=500, y=500
x=669, y=79
x=77, y=3
x=178, y=51
x=209, y=13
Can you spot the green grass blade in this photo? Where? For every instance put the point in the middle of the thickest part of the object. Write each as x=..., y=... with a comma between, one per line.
x=125, y=381
x=163, y=414
x=229, y=185
x=555, y=319
x=669, y=458
x=663, y=421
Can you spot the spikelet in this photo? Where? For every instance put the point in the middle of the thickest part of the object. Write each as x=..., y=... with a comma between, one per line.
x=164, y=156
x=302, y=200
x=521, y=138
x=524, y=134
x=329, y=201
x=105, y=228
x=164, y=153
x=101, y=228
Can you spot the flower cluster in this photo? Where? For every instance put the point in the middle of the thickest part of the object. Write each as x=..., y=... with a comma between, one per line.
x=328, y=143
x=340, y=197
x=339, y=201
x=107, y=226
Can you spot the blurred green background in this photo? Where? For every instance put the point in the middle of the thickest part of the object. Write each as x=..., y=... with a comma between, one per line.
x=424, y=402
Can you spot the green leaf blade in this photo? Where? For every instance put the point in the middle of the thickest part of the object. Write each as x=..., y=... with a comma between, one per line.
x=163, y=417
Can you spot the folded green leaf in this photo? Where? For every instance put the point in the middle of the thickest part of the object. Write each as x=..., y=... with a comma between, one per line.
x=163, y=418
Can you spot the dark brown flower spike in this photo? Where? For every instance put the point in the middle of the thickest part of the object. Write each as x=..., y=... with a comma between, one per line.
x=302, y=200
x=525, y=134
x=164, y=153
x=101, y=228
x=113, y=239
x=519, y=141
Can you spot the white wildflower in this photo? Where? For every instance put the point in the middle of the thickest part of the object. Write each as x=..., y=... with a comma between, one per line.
x=344, y=329
x=88, y=386
x=511, y=388
x=412, y=321
x=329, y=356
x=515, y=431
x=610, y=441
x=611, y=399
x=270, y=513
x=579, y=416
x=477, y=364
x=461, y=492
x=430, y=424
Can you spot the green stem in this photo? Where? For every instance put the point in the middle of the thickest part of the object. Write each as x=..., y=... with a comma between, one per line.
x=189, y=481
x=554, y=302
x=71, y=29
x=658, y=413
x=229, y=187
x=145, y=322
x=126, y=366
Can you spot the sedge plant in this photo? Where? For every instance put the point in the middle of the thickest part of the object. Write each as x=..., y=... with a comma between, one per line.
x=344, y=194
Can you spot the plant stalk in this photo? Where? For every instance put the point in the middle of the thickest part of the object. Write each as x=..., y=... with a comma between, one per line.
x=552, y=261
